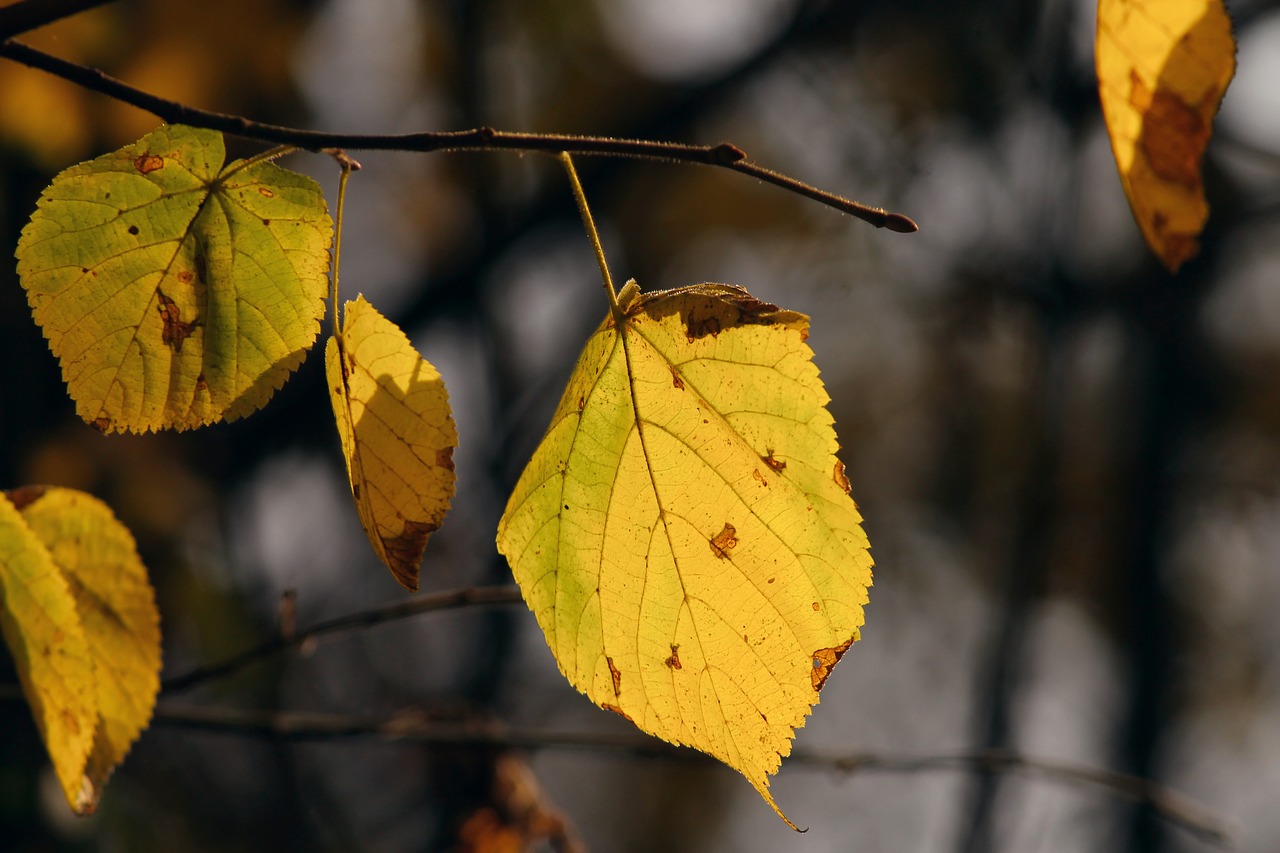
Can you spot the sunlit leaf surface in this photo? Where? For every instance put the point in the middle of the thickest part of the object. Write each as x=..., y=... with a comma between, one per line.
x=684, y=533
x=176, y=292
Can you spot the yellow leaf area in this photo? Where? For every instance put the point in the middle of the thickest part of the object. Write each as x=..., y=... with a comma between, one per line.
x=80, y=619
x=1163, y=66
x=176, y=292
x=397, y=435
x=684, y=533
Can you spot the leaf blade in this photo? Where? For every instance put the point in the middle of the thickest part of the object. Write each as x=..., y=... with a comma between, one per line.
x=678, y=566
x=1163, y=68
x=398, y=436
x=173, y=291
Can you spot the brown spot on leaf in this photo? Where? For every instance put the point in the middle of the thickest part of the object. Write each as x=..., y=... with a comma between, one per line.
x=25, y=496
x=444, y=458
x=1174, y=137
x=724, y=541
x=201, y=385
x=697, y=326
x=266, y=192
x=133, y=229
x=616, y=676
x=615, y=709
x=175, y=330
x=673, y=662
x=675, y=378
x=102, y=423
x=775, y=464
x=186, y=276
x=759, y=477
x=838, y=475
x=581, y=402
x=816, y=607
x=824, y=660
x=148, y=163
x=404, y=552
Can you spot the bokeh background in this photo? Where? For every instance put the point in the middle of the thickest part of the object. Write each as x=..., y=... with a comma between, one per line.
x=1068, y=460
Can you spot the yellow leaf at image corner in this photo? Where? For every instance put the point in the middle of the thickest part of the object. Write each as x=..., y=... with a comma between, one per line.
x=684, y=533
x=99, y=561
x=176, y=291
x=1163, y=66
x=397, y=433
x=42, y=629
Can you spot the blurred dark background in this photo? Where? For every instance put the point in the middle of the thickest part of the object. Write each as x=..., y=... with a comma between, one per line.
x=1068, y=460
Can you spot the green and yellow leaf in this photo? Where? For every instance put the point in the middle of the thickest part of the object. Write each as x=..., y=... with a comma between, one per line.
x=175, y=291
x=684, y=533
x=43, y=631
x=1163, y=67
x=397, y=435
x=99, y=561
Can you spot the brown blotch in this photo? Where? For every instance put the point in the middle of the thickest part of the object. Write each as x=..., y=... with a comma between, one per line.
x=615, y=709
x=759, y=477
x=824, y=660
x=404, y=552
x=1174, y=137
x=148, y=163
x=25, y=496
x=675, y=378
x=444, y=458
x=673, y=662
x=838, y=475
x=775, y=464
x=102, y=423
x=266, y=192
x=816, y=607
x=175, y=330
x=201, y=385
x=186, y=276
x=616, y=676
x=133, y=229
x=581, y=402
x=725, y=541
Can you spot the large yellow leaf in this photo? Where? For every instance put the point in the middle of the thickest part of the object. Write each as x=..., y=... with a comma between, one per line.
x=1163, y=66
x=44, y=634
x=99, y=561
x=684, y=533
x=397, y=435
x=176, y=292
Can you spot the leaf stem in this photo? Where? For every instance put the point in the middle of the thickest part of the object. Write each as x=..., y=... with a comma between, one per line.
x=348, y=166
x=589, y=223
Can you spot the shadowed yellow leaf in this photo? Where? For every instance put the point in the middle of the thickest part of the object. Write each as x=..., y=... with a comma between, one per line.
x=44, y=634
x=684, y=533
x=397, y=435
x=99, y=561
x=1163, y=66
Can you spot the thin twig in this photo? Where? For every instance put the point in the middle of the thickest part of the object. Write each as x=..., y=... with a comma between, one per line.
x=724, y=155
x=28, y=15
x=418, y=727
x=452, y=599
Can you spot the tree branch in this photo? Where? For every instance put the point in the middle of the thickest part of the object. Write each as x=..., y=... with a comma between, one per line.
x=479, y=596
x=725, y=155
x=27, y=15
x=416, y=726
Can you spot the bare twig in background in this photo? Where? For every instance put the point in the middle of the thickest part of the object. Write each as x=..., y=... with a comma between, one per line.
x=449, y=600
x=27, y=15
x=415, y=726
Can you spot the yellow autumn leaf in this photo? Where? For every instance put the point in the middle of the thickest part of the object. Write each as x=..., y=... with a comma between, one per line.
x=176, y=291
x=684, y=533
x=397, y=435
x=99, y=561
x=43, y=631
x=1163, y=66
